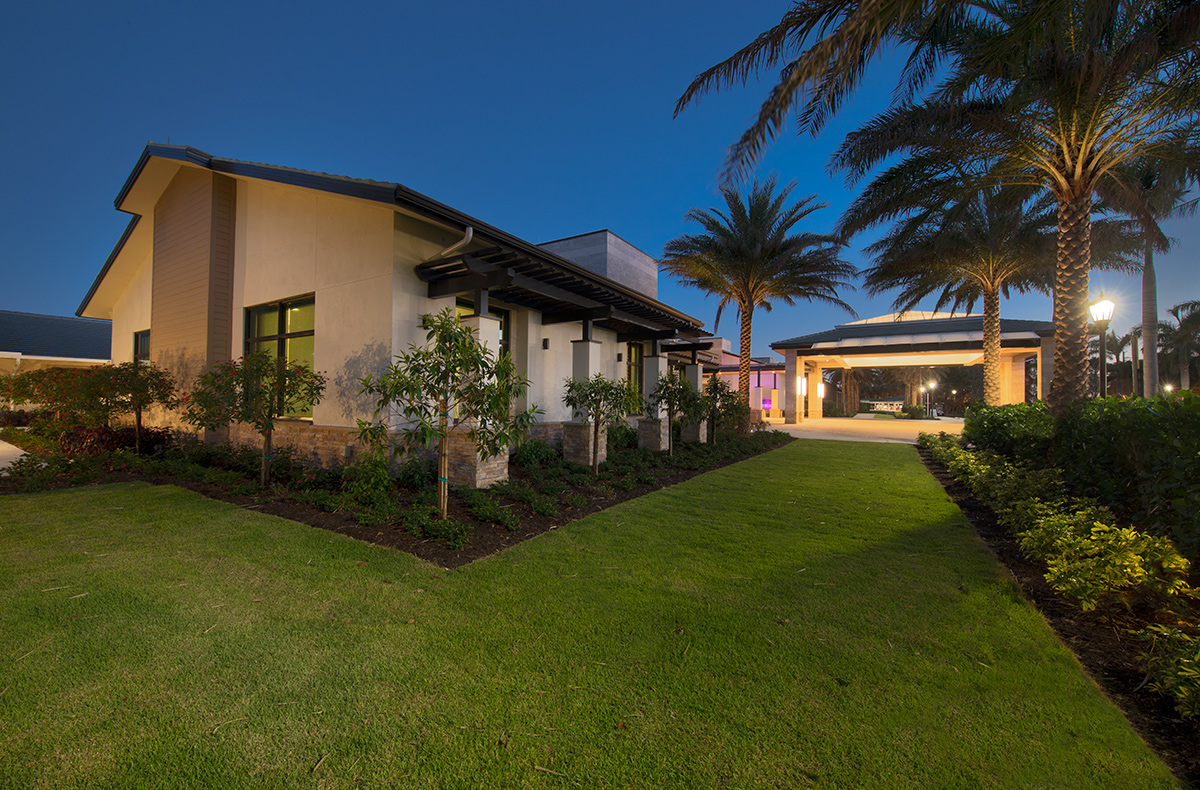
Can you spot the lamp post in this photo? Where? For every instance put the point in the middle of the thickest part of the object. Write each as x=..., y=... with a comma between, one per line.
x=929, y=398
x=923, y=398
x=1102, y=310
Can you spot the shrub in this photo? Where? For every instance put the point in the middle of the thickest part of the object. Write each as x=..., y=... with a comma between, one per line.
x=1173, y=661
x=414, y=472
x=1023, y=432
x=535, y=452
x=370, y=490
x=621, y=436
x=572, y=499
x=486, y=507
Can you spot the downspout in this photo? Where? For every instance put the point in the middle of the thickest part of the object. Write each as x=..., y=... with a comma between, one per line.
x=468, y=234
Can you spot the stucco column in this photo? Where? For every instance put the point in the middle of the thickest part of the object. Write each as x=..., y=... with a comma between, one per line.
x=585, y=358
x=793, y=411
x=487, y=330
x=695, y=432
x=652, y=429
x=812, y=376
x=1045, y=366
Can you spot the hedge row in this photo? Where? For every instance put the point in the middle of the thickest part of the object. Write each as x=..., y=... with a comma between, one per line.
x=1090, y=558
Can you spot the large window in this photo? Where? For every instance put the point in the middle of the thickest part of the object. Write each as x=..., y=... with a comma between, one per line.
x=284, y=329
x=141, y=346
x=635, y=370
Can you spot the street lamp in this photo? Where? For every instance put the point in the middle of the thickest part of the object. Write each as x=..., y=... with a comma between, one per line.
x=1102, y=310
x=929, y=397
x=1167, y=388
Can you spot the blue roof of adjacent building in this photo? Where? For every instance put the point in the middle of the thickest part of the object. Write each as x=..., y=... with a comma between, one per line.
x=972, y=323
x=35, y=335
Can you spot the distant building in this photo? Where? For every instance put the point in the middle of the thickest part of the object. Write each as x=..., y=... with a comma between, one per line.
x=31, y=341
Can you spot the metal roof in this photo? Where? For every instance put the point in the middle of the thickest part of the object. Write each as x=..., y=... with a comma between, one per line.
x=845, y=336
x=515, y=270
x=35, y=335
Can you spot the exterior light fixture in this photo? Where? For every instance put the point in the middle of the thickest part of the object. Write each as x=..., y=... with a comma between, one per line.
x=1167, y=388
x=1102, y=311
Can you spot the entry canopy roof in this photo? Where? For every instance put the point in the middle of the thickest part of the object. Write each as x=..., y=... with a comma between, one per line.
x=913, y=338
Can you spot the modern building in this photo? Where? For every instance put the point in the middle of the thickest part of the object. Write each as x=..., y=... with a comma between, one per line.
x=224, y=256
x=911, y=339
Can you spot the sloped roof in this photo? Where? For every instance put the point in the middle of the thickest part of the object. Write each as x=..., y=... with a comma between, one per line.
x=35, y=335
x=518, y=271
x=900, y=332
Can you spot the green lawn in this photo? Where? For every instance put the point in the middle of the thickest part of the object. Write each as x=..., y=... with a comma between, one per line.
x=817, y=616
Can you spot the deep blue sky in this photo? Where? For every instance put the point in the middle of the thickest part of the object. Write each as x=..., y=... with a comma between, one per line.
x=546, y=119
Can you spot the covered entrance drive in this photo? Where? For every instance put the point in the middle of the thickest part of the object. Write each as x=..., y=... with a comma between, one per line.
x=907, y=340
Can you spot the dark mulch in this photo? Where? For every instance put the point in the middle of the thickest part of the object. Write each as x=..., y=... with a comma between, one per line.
x=1099, y=639
x=486, y=539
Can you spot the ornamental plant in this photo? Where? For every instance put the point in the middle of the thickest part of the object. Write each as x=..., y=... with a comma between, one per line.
x=257, y=390
x=136, y=386
x=452, y=380
x=602, y=402
x=675, y=395
x=723, y=409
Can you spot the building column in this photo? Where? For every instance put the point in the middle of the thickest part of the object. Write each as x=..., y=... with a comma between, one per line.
x=466, y=467
x=652, y=428
x=793, y=408
x=695, y=432
x=813, y=381
x=1045, y=366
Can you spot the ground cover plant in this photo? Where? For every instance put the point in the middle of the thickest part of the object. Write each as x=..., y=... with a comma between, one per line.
x=846, y=629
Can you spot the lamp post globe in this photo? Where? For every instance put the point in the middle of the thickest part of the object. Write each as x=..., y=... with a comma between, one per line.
x=1102, y=311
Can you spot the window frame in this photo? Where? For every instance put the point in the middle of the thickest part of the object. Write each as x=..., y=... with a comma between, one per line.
x=137, y=342
x=251, y=343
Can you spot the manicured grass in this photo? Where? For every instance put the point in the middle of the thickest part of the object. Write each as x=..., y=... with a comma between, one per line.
x=817, y=616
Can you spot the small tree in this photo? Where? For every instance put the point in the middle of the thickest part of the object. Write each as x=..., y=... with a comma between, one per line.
x=675, y=395
x=452, y=380
x=257, y=390
x=602, y=401
x=136, y=386
x=723, y=408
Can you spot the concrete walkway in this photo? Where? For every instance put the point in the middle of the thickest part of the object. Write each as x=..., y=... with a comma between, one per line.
x=850, y=429
x=8, y=454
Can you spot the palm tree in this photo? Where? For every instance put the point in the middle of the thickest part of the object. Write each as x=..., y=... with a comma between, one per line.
x=1059, y=95
x=1065, y=91
x=1181, y=336
x=1148, y=195
x=1129, y=341
x=980, y=247
x=747, y=257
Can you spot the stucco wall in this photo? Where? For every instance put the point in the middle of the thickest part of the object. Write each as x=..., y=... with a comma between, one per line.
x=293, y=242
x=131, y=313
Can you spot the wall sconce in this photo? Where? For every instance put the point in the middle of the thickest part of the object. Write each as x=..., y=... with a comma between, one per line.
x=620, y=357
x=545, y=343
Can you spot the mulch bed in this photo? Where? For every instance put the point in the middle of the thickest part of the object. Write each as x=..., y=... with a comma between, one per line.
x=1099, y=639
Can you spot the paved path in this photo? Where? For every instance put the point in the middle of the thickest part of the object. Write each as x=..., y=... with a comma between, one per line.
x=849, y=429
x=8, y=454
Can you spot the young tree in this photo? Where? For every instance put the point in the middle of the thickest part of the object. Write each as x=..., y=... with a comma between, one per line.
x=137, y=386
x=257, y=390
x=675, y=395
x=723, y=409
x=601, y=401
x=453, y=380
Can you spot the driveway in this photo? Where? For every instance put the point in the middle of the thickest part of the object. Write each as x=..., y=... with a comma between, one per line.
x=869, y=428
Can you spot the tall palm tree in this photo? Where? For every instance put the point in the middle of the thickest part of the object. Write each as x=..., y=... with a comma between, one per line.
x=747, y=256
x=977, y=248
x=1060, y=95
x=1148, y=194
x=1129, y=340
x=1182, y=336
x=1064, y=90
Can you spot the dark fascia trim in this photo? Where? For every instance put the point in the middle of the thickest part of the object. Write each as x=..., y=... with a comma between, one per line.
x=905, y=348
x=384, y=192
x=112, y=256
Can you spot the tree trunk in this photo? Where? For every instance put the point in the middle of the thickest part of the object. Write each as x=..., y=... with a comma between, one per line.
x=1185, y=365
x=1070, y=302
x=991, y=346
x=137, y=431
x=595, y=445
x=443, y=471
x=1133, y=368
x=264, y=474
x=746, y=312
x=1149, y=324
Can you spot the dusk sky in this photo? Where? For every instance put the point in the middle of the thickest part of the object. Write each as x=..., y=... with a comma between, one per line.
x=545, y=119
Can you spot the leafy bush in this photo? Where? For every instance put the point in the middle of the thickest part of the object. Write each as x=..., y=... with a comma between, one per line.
x=621, y=436
x=572, y=499
x=1173, y=661
x=14, y=418
x=486, y=507
x=1139, y=457
x=414, y=472
x=370, y=490
x=455, y=533
x=1021, y=431
x=535, y=452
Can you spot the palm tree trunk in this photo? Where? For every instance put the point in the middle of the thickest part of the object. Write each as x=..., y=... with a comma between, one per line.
x=991, y=346
x=1185, y=365
x=1149, y=324
x=1133, y=371
x=1070, y=302
x=747, y=314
